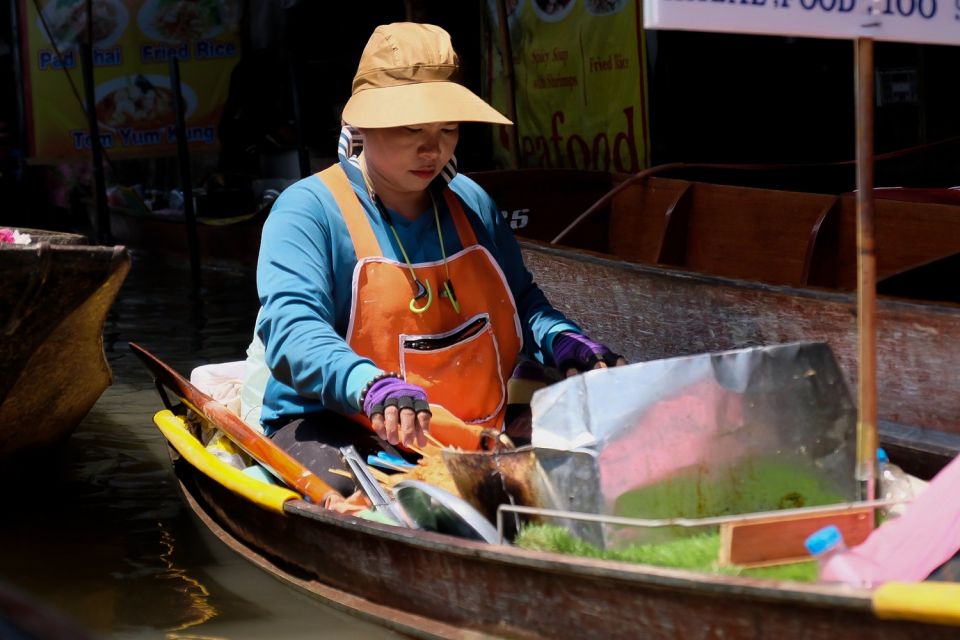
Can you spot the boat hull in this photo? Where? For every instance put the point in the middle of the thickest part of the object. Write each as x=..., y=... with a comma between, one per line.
x=55, y=300
x=648, y=313
x=431, y=585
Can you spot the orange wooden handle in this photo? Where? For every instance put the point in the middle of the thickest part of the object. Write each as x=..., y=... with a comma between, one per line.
x=254, y=443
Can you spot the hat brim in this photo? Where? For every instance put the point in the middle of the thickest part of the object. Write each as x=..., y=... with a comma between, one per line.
x=418, y=103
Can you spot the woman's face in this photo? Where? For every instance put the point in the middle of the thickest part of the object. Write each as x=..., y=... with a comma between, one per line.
x=405, y=160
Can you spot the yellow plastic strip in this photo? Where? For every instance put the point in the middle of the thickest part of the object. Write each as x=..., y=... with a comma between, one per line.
x=268, y=496
x=936, y=602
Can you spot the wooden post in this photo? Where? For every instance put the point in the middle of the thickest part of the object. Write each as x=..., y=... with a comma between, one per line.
x=506, y=50
x=186, y=181
x=96, y=150
x=18, y=73
x=866, y=274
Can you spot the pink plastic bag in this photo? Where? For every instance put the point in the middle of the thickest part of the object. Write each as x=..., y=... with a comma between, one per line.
x=909, y=548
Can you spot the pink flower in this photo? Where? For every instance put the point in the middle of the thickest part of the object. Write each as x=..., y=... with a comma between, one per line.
x=6, y=235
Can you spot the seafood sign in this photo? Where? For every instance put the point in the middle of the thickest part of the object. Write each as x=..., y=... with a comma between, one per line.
x=920, y=21
x=133, y=43
x=579, y=80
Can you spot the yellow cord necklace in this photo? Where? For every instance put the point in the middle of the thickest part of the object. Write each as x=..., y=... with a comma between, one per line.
x=422, y=290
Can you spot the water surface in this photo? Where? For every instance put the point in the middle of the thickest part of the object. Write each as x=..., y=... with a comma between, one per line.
x=99, y=530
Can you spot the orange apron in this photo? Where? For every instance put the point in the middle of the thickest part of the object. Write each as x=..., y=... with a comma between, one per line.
x=463, y=360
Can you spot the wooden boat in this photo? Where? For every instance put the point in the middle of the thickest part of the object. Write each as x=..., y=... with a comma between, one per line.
x=54, y=299
x=220, y=241
x=649, y=312
x=673, y=268
x=432, y=585
x=804, y=240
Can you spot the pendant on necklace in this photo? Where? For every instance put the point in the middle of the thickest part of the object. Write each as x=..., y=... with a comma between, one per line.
x=421, y=290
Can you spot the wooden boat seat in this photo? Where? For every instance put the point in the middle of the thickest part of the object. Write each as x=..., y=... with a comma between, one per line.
x=639, y=216
x=907, y=235
x=763, y=235
x=737, y=232
x=775, y=237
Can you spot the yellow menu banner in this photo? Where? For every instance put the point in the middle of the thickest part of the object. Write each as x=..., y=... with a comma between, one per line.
x=580, y=83
x=133, y=43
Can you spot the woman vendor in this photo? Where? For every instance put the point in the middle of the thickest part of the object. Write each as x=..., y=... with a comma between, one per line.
x=392, y=290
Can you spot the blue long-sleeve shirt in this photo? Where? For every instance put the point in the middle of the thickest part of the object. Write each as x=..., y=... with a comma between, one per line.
x=304, y=277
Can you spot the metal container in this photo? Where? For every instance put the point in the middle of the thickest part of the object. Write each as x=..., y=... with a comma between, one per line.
x=755, y=429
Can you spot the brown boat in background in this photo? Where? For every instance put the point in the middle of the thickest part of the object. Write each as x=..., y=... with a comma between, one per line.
x=54, y=299
x=673, y=268
x=650, y=312
x=227, y=242
x=777, y=237
x=804, y=240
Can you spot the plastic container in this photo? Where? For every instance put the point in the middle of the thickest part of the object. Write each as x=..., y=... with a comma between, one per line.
x=894, y=484
x=827, y=547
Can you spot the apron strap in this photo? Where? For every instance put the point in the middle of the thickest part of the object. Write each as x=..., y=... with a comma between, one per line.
x=361, y=233
x=467, y=237
x=364, y=241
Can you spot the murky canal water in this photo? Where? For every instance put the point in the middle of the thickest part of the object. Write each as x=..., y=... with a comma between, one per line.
x=101, y=532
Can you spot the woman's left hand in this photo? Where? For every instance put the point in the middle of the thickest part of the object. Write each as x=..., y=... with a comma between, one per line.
x=575, y=353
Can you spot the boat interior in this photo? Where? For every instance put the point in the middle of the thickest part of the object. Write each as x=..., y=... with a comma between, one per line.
x=776, y=237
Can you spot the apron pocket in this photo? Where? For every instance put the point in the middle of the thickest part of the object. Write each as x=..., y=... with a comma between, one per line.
x=460, y=369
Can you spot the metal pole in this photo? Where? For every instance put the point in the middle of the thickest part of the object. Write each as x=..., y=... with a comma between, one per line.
x=18, y=73
x=690, y=523
x=506, y=50
x=186, y=182
x=96, y=151
x=866, y=274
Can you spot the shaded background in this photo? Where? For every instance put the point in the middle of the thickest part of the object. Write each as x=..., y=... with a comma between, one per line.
x=713, y=98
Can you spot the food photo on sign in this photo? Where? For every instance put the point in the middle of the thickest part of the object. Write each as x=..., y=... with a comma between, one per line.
x=133, y=44
x=67, y=21
x=172, y=21
x=142, y=101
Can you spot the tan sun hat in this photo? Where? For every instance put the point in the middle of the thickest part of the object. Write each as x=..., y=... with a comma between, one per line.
x=405, y=77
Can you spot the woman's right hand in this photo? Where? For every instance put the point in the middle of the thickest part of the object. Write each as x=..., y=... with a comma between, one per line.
x=398, y=411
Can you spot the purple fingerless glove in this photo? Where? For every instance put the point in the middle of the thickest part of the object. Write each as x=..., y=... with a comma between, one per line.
x=575, y=351
x=394, y=392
